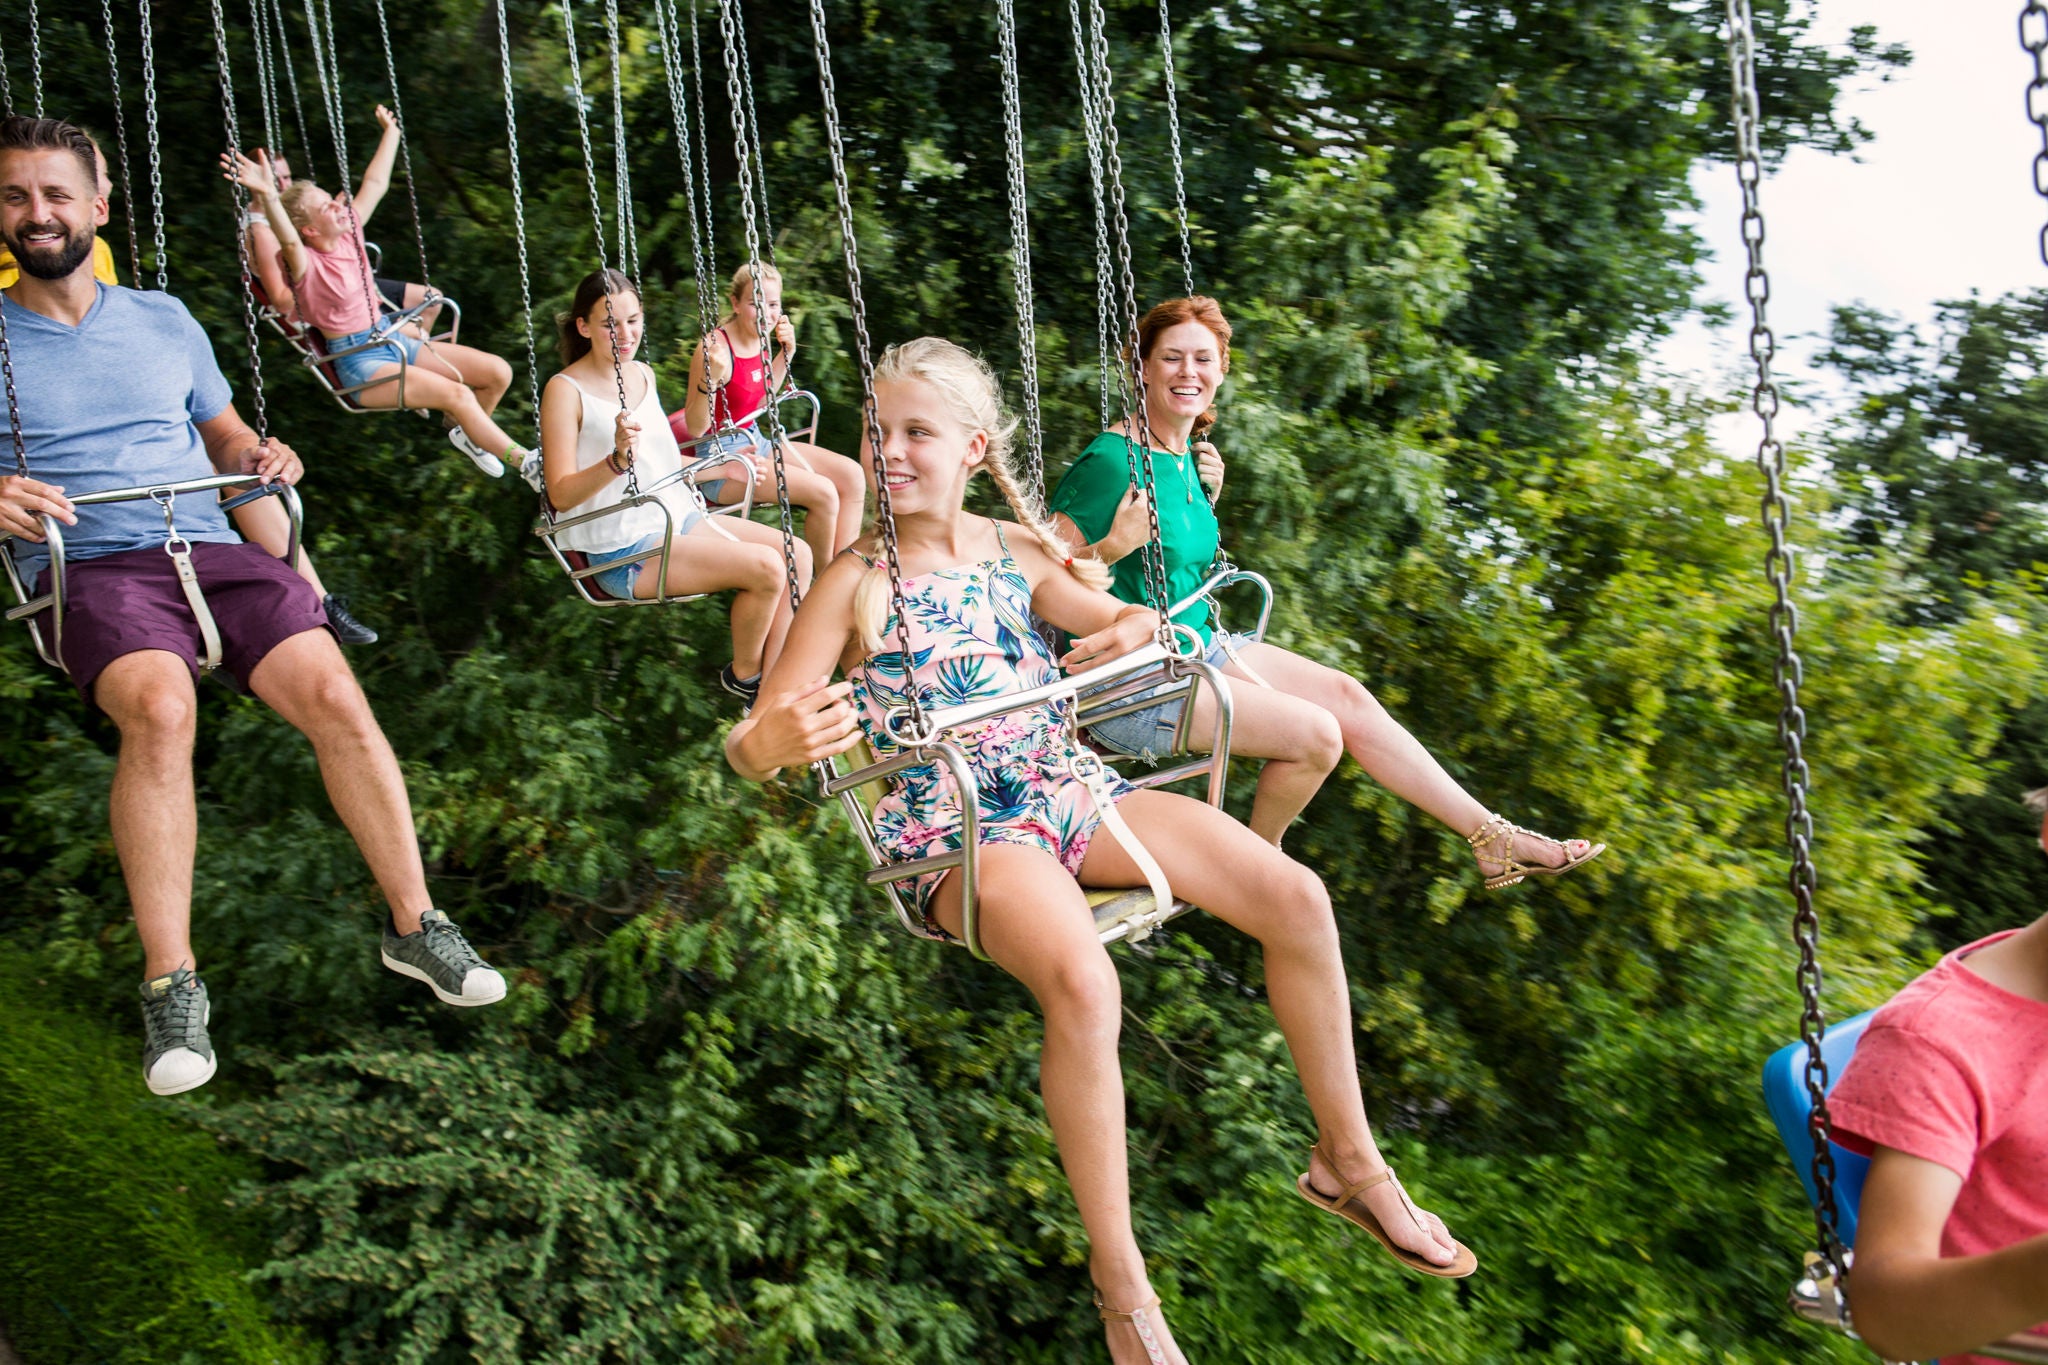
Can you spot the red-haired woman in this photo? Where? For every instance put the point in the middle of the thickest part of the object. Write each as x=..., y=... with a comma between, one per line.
x=1306, y=716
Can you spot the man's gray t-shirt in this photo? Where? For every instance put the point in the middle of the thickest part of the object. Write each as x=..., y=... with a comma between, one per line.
x=111, y=403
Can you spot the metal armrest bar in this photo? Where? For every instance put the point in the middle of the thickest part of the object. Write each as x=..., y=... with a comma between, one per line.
x=1225, y=576
x=52, y=651
x=1059, y=689
x=548, y=528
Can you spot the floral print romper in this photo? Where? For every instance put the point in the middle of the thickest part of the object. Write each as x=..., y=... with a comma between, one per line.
x=971, y=637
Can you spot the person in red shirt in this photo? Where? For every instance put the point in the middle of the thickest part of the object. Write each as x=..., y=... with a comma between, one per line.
x=729, y=384
x=1948, y=1096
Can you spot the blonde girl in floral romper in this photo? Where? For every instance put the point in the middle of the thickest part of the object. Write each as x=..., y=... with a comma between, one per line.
x=970, y=584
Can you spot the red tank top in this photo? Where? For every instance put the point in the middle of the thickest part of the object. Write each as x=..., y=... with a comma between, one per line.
x=737, y=402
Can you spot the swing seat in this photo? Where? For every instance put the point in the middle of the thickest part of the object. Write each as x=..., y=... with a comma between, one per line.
x=583, y=574
x=1790, y=1107
x=314, y=352
x=1121, y=913
x=31, y=606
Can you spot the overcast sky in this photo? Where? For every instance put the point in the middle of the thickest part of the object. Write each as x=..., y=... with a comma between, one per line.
x=1941, y=203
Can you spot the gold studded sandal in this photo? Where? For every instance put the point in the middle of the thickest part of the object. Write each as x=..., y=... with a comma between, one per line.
x=1154, y=1352
x=1347, y=1205
x=1494, y=842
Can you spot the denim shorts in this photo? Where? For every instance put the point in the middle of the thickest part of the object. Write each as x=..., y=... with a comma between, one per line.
x=619, y=582
x=1148, y=734
x=733, y=444
x=400, y=348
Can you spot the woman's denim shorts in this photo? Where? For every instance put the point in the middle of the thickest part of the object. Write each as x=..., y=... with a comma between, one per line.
x=732, y=444
x=619, y=582
x=400, y=348
x=1148, y=734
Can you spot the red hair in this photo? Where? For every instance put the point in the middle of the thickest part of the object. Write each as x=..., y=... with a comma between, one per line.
x=1172, y=313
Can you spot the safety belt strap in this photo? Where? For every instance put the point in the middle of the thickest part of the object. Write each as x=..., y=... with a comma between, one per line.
x=1094, y=775
x=180, y=551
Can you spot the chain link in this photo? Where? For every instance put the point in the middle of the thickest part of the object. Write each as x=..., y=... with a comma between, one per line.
x=679, y=113
x=1784, y=617
x=121, y=141
x=518, y=211
x=327, y=66
x=770, y=419
x=155, y=144
x=622, y=168
x=754, y=138
x=231, y=124
x=1180, y=184
x=35, y=53
x=13, y=399
x=6, y=85
x=1020, y=253
x=419, y=231
x=710, y=306
x=1084, y=71
x=611, y=325
x=291, y=78
x=2034, y=38
x=266, y=89
x=1129, y=370
x=885, y=517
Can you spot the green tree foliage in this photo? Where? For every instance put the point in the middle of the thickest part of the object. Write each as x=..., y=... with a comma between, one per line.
x=727, y=1114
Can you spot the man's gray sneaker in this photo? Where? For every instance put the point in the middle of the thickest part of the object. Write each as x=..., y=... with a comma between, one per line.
x=440, y=956
x=176, y=1053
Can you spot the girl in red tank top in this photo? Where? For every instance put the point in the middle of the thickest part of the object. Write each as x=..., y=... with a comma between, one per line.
x=730, y=379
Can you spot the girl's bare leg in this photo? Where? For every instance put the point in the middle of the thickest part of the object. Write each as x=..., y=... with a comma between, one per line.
x=431, y=387
x=1299, y=741
x=1383, y=747
x=1037, y=926
x=848, y=484
x=487, y=375
x=750, y=558
x=1218, y=864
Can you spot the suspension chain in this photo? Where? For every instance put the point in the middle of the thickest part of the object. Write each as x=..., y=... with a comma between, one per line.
x=121, y=141
x=419, y=231
x=679, y=111
x=754, y=138
x=518, y=211
x=704, y=159
x=291, y=78
x=611, y=325
x=1784, y=617
x=1020, y=253
x=156, y=159
x=35, y=53
x=6, y=86
x=2034, y=38
x=622, y=169
x=863, y=358
x=330, y=97
x=1180, y=182
x=1084, y=71
x=13, y=399
x=266, y=92
x=232, y=126
x=770, y=419
x=1130, y=371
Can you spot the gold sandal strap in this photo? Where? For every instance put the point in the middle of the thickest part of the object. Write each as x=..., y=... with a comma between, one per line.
x=1116, y=1315
x=1357, y=1187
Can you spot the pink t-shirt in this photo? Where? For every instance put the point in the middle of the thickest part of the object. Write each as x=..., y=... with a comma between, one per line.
x=330, y=294
x=1955, y=1071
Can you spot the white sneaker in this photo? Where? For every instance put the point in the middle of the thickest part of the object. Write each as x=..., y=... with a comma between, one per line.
x=490, y=464
x=529, y=470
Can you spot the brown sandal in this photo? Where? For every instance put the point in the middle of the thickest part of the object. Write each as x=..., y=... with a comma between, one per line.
x=1494, y=842
x=1154, y=1352
x=1347, y=1206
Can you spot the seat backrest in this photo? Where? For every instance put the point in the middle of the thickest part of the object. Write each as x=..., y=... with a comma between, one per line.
x=1785, y=1095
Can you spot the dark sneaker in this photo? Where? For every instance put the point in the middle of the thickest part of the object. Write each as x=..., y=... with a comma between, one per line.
x=176, y=1053
x=747, y=690
x=440, y=956
x=346, y=628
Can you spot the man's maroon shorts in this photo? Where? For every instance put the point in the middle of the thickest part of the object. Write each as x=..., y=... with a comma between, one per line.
x=120, y=603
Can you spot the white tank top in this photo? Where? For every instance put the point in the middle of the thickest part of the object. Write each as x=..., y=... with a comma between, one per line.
x=659, y=457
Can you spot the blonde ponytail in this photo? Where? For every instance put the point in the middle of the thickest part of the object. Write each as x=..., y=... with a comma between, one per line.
x=970, y=389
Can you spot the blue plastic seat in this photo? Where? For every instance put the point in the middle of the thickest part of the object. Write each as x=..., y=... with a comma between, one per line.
x=1785, y=1094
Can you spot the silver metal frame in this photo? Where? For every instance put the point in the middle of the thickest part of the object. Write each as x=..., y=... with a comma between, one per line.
x=29, y=607
x=314, y=355
x=1134, y=673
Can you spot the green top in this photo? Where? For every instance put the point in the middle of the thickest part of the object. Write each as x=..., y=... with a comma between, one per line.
x=1095, y=484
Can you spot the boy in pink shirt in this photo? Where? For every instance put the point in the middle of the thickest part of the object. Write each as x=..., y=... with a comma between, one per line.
x=1948, y=1096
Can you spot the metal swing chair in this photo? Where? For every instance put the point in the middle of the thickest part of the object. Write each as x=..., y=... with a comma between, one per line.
x=549, y=525
x=47, y=631
x=1798, y=1077
x=927, y=738
x=313, y=349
